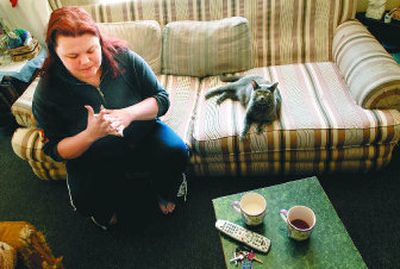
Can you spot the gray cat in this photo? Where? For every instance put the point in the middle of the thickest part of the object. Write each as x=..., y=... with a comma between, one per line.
x=261, y=99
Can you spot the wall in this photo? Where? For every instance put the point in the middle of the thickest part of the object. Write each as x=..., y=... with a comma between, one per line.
x=31, y=15
x=390, y=4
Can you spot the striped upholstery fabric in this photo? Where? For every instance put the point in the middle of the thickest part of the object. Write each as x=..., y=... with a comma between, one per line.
x=27, y=143
x=183, y=94
x=54, y=4
x=143, y=37
x=22, y=107
x=321, y=128
x=371, y=73
x=49, y=170
x=199, y=48
x=283, y=31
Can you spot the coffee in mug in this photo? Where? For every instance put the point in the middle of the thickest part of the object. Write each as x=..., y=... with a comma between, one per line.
x=300, y=221
x=252, y=207
x=300, y=224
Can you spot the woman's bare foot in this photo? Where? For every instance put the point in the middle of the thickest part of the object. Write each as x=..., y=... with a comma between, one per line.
x=166, y=207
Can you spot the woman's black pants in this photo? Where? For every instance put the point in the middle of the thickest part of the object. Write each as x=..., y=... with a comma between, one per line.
x=96, y=178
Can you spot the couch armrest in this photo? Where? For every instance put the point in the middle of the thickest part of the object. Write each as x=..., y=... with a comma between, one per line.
x=373, y=77
x=27, y=143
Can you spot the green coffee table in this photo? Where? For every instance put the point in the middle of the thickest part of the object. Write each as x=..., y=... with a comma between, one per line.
x=329, y=246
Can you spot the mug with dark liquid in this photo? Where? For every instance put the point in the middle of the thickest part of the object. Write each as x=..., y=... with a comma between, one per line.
x=300, y=221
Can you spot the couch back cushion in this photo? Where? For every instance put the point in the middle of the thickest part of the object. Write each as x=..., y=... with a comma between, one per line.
x=143, y=37
x=283, y=31
x=202, y=48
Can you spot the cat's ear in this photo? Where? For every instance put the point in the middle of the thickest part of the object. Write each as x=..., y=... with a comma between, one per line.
x=273, y=86
x=255, y=84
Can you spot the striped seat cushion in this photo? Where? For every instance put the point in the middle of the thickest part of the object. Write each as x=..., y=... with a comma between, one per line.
x=183, y=94
x=320, y=125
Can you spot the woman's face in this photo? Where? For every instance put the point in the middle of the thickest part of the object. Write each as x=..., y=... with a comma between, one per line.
x=81, y=55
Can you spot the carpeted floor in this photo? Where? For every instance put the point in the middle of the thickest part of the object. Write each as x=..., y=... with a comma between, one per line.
x=396, y=57
x=366, y=203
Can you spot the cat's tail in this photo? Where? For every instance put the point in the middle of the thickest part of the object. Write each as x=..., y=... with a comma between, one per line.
x=213, y=92
x=218, y=91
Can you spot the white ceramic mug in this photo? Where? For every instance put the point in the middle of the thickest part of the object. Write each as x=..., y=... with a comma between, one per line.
x=300, y=221
x=252, y=207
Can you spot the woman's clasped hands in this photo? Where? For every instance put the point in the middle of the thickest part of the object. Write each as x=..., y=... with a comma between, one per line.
x=103, y=124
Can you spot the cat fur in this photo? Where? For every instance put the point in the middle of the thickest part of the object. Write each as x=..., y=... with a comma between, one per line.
x=260, y=97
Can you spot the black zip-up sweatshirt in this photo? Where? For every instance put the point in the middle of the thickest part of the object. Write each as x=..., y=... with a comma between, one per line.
x=59, y=99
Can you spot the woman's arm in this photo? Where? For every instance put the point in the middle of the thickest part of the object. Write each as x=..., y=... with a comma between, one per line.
x=97, y=127
x=155, y=101
x=144, y=110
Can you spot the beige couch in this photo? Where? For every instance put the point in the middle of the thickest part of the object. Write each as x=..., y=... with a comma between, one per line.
x=340, y=89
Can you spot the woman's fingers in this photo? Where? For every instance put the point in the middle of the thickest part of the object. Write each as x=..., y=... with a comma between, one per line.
x=90, y=111
x=104, y=121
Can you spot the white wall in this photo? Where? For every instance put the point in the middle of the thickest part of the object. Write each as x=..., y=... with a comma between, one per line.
x=32, y=15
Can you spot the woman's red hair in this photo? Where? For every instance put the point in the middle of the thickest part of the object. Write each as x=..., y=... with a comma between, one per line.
x=75, y=21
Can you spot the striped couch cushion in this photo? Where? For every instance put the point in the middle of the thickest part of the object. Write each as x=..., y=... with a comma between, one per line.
x=371, y=73
x=321, y=127
x=199, y=48
x=143, y=37
x=183, y=94
x=283, y=31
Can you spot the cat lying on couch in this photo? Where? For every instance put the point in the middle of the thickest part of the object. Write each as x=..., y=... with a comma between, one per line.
x=260, y=97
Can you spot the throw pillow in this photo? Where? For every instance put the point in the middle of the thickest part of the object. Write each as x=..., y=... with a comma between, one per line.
x=202, y=48
x=143, y=37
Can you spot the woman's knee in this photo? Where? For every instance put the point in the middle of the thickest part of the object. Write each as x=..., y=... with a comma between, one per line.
x=176, y=156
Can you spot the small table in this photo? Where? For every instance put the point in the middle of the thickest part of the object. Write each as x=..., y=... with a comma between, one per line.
x=329, y=246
